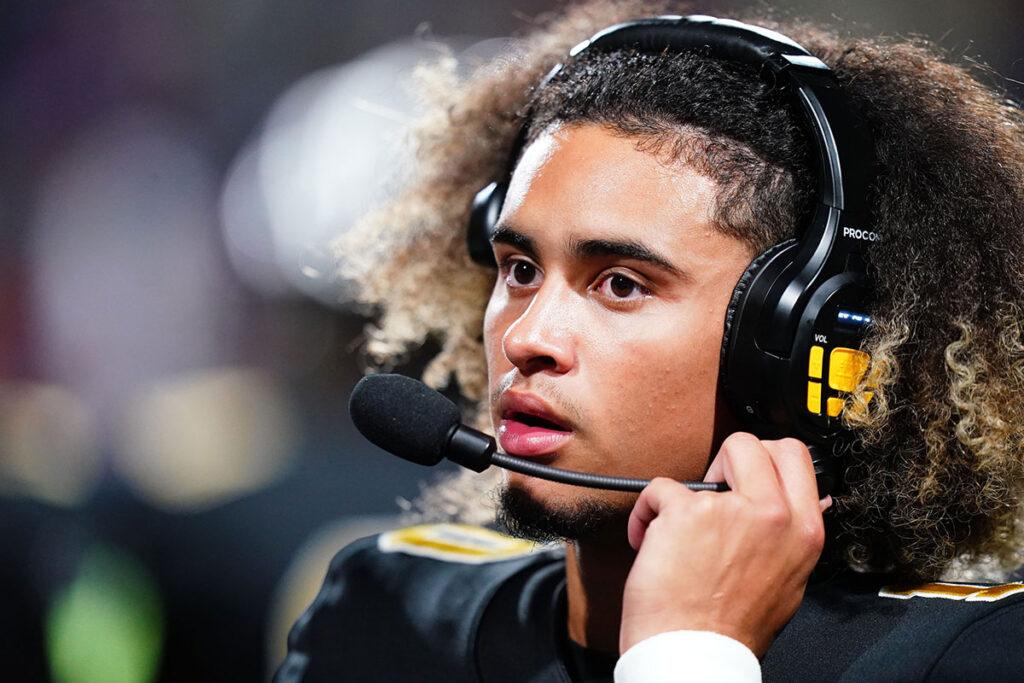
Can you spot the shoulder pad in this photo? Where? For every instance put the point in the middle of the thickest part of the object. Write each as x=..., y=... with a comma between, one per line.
x=454, y=543
x=968, y=592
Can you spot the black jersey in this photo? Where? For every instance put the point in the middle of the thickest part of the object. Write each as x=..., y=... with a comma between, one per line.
x=439, y=603
x=459, y=604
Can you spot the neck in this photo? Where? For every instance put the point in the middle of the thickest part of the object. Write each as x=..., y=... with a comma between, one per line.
x=596, y=571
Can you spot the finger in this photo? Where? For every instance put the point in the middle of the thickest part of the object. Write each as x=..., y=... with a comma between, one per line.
x=649, y=505
x=795, y=470
x=746, y=466
x=796, y=476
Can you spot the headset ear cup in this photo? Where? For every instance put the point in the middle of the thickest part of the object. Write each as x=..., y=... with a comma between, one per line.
x=738, y=301
x=483, y=218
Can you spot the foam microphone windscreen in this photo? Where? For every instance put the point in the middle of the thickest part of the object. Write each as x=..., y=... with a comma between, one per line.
x=403, y=416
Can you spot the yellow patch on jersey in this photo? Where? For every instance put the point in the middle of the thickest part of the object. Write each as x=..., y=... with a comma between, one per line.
x=967, y=592
x=454, y=543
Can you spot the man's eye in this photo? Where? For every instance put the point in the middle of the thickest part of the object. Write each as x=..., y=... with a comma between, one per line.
x=524, y=273
x=621, y=287
x=519, y=273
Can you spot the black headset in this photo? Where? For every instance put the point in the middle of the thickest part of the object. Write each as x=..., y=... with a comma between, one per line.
x=800, y=310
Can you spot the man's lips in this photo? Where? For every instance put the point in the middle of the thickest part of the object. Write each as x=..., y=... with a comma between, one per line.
x=529, y=427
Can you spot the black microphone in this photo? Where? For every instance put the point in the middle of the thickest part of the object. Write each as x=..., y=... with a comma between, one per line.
x=409, y=419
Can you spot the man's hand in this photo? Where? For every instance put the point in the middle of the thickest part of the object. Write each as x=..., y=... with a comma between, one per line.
x=736, y=562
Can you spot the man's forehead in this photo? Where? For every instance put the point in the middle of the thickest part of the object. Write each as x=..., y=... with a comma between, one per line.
x=536, y=155
x=600, y=179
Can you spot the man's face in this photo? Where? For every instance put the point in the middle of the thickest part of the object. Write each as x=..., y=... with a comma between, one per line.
x=605, y=325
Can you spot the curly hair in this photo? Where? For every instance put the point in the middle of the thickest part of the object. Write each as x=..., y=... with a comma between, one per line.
x=936, y=473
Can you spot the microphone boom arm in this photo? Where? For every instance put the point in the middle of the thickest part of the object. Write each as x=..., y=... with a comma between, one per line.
x=473, y=449
x=594, y=481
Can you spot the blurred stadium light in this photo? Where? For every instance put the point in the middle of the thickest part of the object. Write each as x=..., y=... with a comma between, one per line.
x=326, y=154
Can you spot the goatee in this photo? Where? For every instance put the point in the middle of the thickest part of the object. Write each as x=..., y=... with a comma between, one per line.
x=524, y=517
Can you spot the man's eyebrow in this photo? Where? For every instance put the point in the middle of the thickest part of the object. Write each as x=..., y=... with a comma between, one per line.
x=504, y=234
x=589, y=249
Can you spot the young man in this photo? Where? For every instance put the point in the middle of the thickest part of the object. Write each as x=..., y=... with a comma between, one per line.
x=644, y=184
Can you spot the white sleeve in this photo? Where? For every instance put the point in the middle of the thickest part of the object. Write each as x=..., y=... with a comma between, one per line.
x=688, y=656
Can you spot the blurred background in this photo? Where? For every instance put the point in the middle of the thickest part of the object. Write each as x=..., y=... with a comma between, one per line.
x=176, y=461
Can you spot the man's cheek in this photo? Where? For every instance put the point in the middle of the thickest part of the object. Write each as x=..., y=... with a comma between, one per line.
x=492, y=338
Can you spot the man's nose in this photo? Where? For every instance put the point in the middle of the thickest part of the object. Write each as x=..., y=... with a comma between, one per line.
x=542, y=339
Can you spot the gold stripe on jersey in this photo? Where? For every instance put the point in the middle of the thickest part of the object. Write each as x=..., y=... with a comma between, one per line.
x=968, y=592
x=454, y=543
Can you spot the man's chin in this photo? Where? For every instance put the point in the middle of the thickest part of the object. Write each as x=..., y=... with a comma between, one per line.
x=524, y=516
